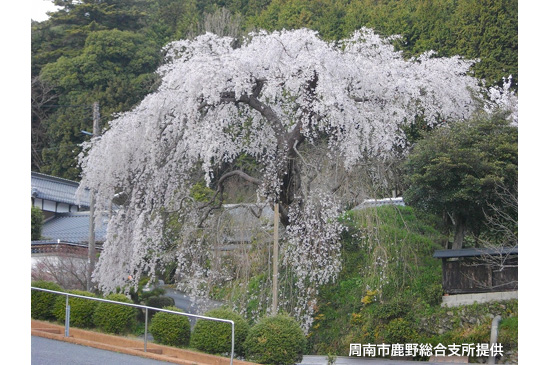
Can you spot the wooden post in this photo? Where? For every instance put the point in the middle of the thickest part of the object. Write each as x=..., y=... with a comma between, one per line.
x=91, y=243
x=275, y=262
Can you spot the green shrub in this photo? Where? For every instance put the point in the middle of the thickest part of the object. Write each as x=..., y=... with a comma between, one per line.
x=156, y=301
x=399, y=330
x=81, y=310
x=170, y=329
x=115, y=318
x=160, y=301
x=143, y=292
x=216, y=337
x=394, y=308
x=275, y=340
x=41, y=302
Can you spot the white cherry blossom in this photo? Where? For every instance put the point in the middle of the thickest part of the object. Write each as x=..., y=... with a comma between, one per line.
x=274, y=94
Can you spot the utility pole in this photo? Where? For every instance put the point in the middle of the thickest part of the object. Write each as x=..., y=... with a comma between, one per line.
x=275, y=262
x=91, y=244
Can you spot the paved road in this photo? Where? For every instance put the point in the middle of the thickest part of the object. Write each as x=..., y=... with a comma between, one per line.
x=45, y=351
x=184, y=302
x=344, y=360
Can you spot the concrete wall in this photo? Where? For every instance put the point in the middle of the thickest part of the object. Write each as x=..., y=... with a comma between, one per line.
x=467, y=299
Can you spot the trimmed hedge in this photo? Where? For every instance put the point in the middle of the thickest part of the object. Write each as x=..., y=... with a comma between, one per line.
x=81, y=310
x=216, y=337
x=160, y=301
x=115, y=318
x=170, y=329
x=41, y=302
x=275, y=340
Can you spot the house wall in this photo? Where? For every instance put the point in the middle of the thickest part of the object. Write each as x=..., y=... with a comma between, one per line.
x=49, y=205
x=52, y=206
x=472, y=275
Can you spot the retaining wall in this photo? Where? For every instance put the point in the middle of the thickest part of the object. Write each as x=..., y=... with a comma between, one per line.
x=467, y=299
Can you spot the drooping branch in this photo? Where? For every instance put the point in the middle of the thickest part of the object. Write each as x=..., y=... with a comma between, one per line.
x=266, y=111
x=287, y=142
x=216, y=201
x=240, y=174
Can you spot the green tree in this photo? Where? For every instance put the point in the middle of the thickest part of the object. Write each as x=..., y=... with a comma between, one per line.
x=172, y=19
x=325, y=16
x=455, y=171
x=485, y=30
x=63, y=45
x=36, y=219
x=66, y=31
x=488, y=30
x=115, y=68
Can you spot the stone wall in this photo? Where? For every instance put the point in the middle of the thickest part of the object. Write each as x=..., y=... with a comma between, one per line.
x=467, y=299
x=471, y=321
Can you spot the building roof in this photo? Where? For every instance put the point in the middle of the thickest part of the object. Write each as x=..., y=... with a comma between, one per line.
x=368, y=203
x=56, y=189
x=243, y=222
x=73, y=228
x=475, y=252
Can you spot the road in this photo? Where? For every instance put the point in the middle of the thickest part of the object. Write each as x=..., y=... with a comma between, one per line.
x=345, y=360
x=45, y=351
x=184, y=303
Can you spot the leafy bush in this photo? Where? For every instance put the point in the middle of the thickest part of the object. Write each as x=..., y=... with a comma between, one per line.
x=81, y=310
x=160, y=301
x=275, y=340
x=115, y=318
x=395, y=308
x=216, y=337
x=157, y=301
x=170, y=329
x=398, y=330
x=41, y=302
x=144, y=292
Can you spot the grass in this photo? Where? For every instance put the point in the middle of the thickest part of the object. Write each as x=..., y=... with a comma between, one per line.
x=389, y=289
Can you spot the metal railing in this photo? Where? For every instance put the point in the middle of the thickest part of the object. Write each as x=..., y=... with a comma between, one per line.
x=146, y=308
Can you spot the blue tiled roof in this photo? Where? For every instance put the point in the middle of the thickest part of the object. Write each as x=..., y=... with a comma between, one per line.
x=72, y=227
x=56, y=189
x=475, y=252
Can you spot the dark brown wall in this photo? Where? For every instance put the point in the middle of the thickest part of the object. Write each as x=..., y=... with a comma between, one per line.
x=470, y=275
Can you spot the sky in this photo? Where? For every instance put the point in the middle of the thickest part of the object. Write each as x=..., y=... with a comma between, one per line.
x=39, y=8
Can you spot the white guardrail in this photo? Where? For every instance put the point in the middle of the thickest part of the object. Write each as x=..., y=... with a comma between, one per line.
x=146, y=308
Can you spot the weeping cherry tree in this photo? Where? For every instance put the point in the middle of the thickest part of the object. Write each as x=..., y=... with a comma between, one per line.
x=268, y=98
